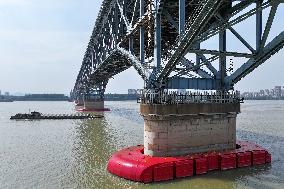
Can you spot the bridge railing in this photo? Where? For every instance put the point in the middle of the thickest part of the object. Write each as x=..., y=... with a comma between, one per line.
x=173, y=97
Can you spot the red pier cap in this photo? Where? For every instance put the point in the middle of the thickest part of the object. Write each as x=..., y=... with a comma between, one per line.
x=130, y=163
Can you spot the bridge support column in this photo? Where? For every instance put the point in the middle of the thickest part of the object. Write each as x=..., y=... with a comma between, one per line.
x=180, y=129
x=79, y=104
x=97, y=105
x=94, y=105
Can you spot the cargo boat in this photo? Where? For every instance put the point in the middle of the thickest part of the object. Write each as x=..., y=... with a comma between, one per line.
x=37, y=116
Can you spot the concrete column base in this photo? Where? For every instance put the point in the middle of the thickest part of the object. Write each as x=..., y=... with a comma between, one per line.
x=94, y=105
x=172, y=130
x=79, y=104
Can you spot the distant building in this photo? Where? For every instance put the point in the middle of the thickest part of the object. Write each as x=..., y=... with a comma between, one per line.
x=262, y=93
x=267, y=92
x=7, y=94
x=41, y=97
x=271, y=92
x=277, y=91
x=256, y=94
x=0, y=93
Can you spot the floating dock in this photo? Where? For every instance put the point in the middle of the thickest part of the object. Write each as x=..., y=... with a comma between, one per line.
x=131, y=163
x=39, y=116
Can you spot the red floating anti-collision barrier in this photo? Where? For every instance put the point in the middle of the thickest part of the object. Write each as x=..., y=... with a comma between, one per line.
x=130, y=163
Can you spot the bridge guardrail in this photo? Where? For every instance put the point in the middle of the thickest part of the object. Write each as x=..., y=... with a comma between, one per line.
x=173, y=97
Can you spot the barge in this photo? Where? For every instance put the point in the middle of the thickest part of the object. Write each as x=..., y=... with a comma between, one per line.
x=38, y=116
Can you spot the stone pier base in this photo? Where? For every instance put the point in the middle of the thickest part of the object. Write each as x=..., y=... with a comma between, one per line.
x=79, y=104
x=181, y=129
x=94, y=105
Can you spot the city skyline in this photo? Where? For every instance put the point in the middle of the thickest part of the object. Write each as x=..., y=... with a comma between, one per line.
x=276, y=92
x=43, y=43
x=19, y=93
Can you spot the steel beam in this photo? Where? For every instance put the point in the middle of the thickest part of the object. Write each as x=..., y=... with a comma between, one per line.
x=215, y=28
x=142, y=33
x=193, y=83
x=126, y=22
x=170, y=19
x=241, y=39
x=208, y=64
x=131, y=41
x=157, y=46
x=268, y=25
x=222, y=57
x=258, y=24
x=191, y=67
x=116, y=27
x=270, y=49
x=197, y=56
x=237, y=35
x=202, y=19
x=181, y=18
x=220, y=53
x=134, y=11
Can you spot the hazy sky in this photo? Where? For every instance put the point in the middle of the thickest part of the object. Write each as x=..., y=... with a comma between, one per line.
x=42, y=43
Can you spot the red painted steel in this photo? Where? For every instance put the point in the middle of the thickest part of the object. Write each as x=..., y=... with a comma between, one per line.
x=130, y=163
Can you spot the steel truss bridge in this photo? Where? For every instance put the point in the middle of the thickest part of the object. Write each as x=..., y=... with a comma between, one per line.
x=160, y=37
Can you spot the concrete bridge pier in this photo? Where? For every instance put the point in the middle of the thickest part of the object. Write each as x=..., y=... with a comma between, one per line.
x=94, y=105
x=79, y=104
x=181, y=129
x=185, y=135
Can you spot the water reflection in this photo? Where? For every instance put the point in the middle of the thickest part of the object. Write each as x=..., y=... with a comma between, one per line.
x=92, y=148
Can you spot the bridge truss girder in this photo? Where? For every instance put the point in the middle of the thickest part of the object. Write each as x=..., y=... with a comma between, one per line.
x=156, y=37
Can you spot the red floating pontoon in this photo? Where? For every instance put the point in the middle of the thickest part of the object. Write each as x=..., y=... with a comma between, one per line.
x=130, y=163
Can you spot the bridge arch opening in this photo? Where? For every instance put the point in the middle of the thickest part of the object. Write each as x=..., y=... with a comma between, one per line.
x=128, y=79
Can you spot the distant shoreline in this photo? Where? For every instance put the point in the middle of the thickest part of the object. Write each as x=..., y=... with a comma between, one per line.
x=282, y=98
x=62, y=97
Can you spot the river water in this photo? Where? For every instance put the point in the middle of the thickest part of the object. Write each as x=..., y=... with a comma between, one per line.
x=74, y=153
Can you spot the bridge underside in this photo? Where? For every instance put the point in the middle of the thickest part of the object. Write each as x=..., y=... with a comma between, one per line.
x=116, y=62
x=167, y=43
x=163, y=41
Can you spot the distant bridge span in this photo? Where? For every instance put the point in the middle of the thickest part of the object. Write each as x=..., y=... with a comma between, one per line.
x=160, y=37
